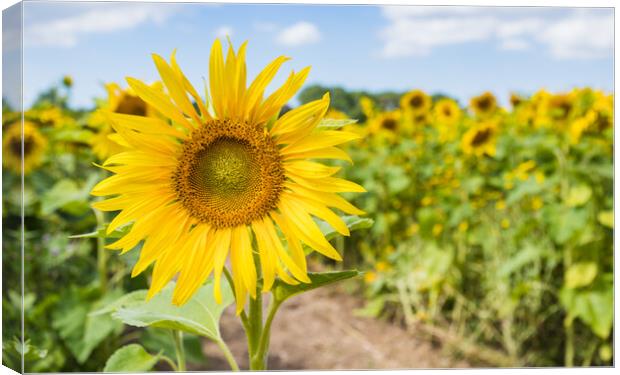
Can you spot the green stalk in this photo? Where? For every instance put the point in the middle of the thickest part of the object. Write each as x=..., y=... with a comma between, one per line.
x=170, y=363
x=179, y=349
x=262, y=351
x=256, y=329
x=228, y=354
x=102, y=255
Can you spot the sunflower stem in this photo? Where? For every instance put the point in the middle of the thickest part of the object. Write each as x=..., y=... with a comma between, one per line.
x=179, y=349
x=263, y=345
x=255, y=332
x=228, y=354
x=101, y=254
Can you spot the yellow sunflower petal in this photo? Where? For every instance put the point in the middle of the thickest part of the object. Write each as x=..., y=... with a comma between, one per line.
x=320, y=140
x=322, y=153
x=175, y=87
x=222, y=241
x=257, y=88
x=197, y=266
x=306, y=229
x=321, y=211
x=160, y=101
x=301, y=120
x=216, y=79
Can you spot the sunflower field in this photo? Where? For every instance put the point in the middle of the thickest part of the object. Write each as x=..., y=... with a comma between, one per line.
x=485, y=228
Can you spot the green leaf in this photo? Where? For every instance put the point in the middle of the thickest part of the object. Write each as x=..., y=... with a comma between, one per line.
x=593, y=307
x=353, y=223
x=66, y=194
x=101, y=233
x=199, y=316
x=580, y=274
x=282, y=291
x=131, y=358
x=81, y=332
x=156, y=339
x=329, y=123
x=578, y=195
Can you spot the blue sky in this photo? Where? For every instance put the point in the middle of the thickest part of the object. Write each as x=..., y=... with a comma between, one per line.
x=460, y=51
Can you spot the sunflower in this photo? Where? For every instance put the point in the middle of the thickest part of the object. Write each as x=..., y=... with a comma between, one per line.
x=386, y=123
x=480, y=139
x=416, y=102
x=561, y=106
x=106, y=143
x=484, y=105
x=516, y=100
x=336, y=114
x=34, y=146
x=206, y=183
x=447, y=112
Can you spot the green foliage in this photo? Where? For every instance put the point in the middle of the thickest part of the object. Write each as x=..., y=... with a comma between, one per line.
x=283, y=291
x=501, y=248
x=131, y=358
x=199, y=316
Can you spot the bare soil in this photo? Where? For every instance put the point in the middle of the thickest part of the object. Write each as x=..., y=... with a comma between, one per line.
x=319, y=330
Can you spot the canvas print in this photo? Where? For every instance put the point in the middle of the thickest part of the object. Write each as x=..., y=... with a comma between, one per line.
x=205, y=186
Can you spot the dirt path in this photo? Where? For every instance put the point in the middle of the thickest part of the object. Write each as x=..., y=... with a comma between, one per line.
x=318, y=330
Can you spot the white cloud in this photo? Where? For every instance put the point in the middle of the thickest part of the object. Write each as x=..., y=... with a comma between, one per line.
x=415, y=31
x=223, y=32
x=580, y=36
x=66, y=31
x=514, y=45
x=299, y=34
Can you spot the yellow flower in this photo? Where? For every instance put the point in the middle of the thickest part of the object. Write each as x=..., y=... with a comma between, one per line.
x=437, y=229
x=539, y=176
x=413, y=229
x=416, y=102
x=505, y=223
x=484, y=105
x=370, y=277
x=463, y=226
x=427, y=200
x=536, y=203
x=368, y=107
x=447, y=112
x=336, y=114
x=515, y=100
x=386, y=123
x=34, y=146
x=205, y=184
x=480, y=139
x=67, y=81
x=106, y=143
x=523, y=169
x=382, y=266
x=560, y=106
x=500, y=205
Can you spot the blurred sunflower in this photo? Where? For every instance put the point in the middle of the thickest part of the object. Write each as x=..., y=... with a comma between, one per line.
x=416, y=102
x=67, y=81
x=34, y=147
x=214, y=177
x=385, y=122
x=106, y=143
x=483, y=105
x=480, y=139
x=447, y=112
x=560, y=106
x=336, y=114
x=515, y=100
